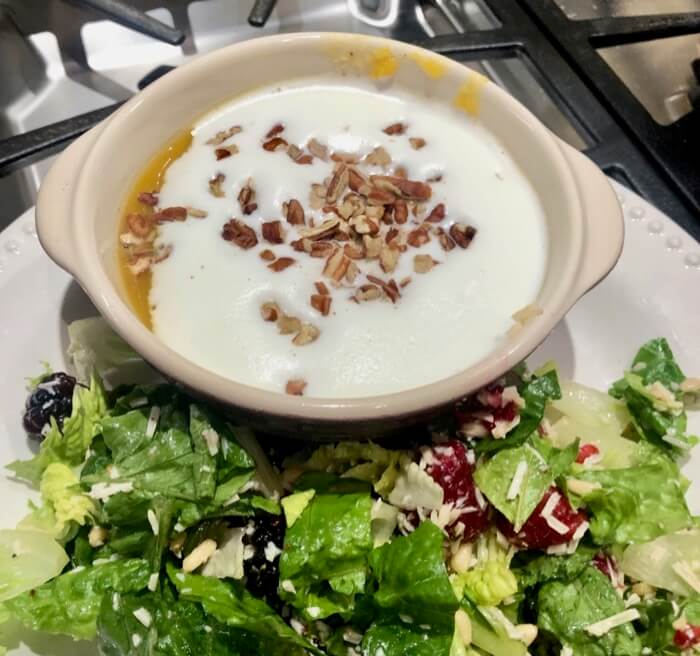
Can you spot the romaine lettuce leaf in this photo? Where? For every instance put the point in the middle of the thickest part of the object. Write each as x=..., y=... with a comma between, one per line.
x=60, y=490
x=655, y=626
x=325, y=553
x=532, y=571
x=492, y=639
x=541, y=463
x=639, y=503
x=69, y=444
x=659, y=561
x=565, y=609
x=401, y=638
x=536, y=393
x=71, y=602
x=231, y=604
x=410, y=578
x=27, y=559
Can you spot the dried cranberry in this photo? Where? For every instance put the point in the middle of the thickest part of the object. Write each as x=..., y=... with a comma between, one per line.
x=536, y=533
x=687, y=637
x=52, y=397
x=262, y=574
x=452, y=468
x=585, y=452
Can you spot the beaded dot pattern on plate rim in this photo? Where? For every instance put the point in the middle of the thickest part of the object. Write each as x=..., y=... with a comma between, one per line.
x=20, y=237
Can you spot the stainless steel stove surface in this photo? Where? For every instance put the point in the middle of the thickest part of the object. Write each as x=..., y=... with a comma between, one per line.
x=61, y=58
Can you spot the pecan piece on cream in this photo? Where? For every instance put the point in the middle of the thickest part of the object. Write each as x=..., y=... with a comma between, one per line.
x=246, y=197
x=373, y=246
x=140, y=225
x=321, y=287
x=295, y=387
x=220, y=137
x=363, y=225
x=267, y=255
x=336, y=265
x=148, y=198
x=215, y=185
x=378, y=157
x=275, y=143
x=388, y=259
x=287, y=325
x=400, y=211
x=445, y=240
x=194, y=212
x=272, y=232
x=356, y=181
x=326, y=229
x=274, y=130
x=239, y=233
x=437, y=214
x=417, y=142
x=321, y=248
x=307, y=333
x=168, y=214
x=294, y=212
x=418, y=237
x=345, y=158
x=270, y=311
x=390, y=288
x=462, y=234
x=317, y=196
x=354, y=251
x=394, y=129
x=321, y=303
x=367, y=293
x=423, y=263
x=408, y=189
x=281, y=264
x=378, y=196
x=317, y=149
x=227, y=151
x=337, y=184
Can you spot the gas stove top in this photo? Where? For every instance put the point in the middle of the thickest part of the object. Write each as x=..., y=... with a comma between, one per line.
x=612, y=78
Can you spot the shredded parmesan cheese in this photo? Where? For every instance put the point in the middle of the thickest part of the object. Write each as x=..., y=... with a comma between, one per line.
x=517, y=482
x=599, y=629
x=211, y=437
x=153, y=418
x=152, y=520
x=143, y=616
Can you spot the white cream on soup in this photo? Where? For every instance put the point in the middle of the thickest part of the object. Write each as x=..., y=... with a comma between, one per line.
x=206, y=296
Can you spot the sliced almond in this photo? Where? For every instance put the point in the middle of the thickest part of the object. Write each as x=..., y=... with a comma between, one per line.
x=294, y=212
x=462, y=234
x=388, y=259
x=317, y=149
x=307, y=333
x=395, y=129
x=321, y=303
x=417, y=142
x=270, y=311
x=239, y=233
x=423, y=263
x=267, y=255
x=378, y=157
x=281, y=264
x=295, y=387
x=272, y=232
x=215, y=185
x=287, y=325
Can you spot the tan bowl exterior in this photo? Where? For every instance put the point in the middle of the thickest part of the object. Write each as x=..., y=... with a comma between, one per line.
x=79, y=203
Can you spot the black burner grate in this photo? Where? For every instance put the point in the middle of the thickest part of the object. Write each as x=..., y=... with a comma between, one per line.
x=662, y=163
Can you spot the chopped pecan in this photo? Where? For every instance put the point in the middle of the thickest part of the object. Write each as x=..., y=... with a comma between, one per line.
x=363, y=225
x=276, y=143
x=387, y=214
x=380, y=196
x=294, y=152
x=423, y=263
x=223, y=153
x=140, y=224
x=417, y=208
x=394, y=129
x=409, y=189
x=287, y=325
x=354, y=251
x=378, y=157
x=437, y=214
x=373, y=246
x=418, y=237
x=405, y=281
x=352, y=205
x=239, y=233
x=281, y=264
x=321, y=287
x=390, y=288
x=274, y=130
x=356, y=181
x=317, y=149
x=321, y=248
x=295, y=387
x=352, y=272
x=246, y=197
x=317, y=196
x=383, y=183
x=307, y=333
x=326, y=229
x=294, y=212
x=417, y=142
x=194, y=212
x=391, y=234
x=445, y=240
x=345, y=158
x=401, y=172
x=368, y=293
x=148, y=198
x=400, y=211
x=270, y=311
x=321, y=303
x=337, y=184
x=388, y=259
x=220, y=137
x=140, y=265
x=215, y=185
x=267, y=255
x=272, y=232
x=336, y=265
x=168, y=214
x=462, y=234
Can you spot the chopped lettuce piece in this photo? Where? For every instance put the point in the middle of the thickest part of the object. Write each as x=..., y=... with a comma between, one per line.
x=384, y=521
x=544, y=568
x=536, y=393
x=566, y=609
x=666, y=562
x=638, y=503
x=492, y=638
x=401, y=638
x=411, y=578
x=295, y=504
x=69, y=444
x=515, y=480
x=27, y=559
x=60, y=489
x=231, y=604
x=655, y=626
x=328, y=543
x=71, y=602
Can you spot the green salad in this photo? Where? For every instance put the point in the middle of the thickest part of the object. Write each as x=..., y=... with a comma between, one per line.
x=541, y=517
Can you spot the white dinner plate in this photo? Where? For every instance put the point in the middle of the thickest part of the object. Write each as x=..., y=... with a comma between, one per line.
x=653, y=291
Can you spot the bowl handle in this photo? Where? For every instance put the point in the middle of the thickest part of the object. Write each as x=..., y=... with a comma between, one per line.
x=603, y=220
x=55, y=208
